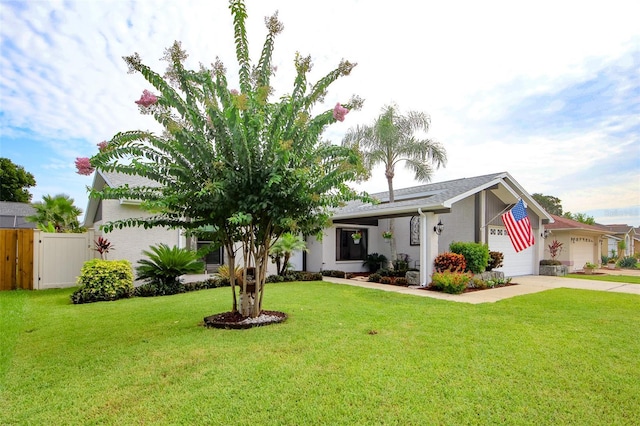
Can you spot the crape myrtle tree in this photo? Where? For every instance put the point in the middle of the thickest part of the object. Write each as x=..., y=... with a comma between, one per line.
x=231, y=159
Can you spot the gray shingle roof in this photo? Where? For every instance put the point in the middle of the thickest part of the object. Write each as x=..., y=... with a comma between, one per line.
x=429, y=196
x=115, y=179
x=10, y=208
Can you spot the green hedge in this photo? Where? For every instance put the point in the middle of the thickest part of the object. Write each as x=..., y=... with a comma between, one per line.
x=475, y=254
x=102, y=280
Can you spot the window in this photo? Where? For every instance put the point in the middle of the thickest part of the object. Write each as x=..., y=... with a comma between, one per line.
x=213, y=258
x=349, y=249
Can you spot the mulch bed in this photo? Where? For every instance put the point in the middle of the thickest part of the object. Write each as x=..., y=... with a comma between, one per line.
x=235, y=321
x=470, y=290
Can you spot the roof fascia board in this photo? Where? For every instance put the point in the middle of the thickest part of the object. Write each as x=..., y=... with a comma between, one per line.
x=448, y=203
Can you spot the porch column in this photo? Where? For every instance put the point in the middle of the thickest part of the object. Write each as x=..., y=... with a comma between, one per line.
x=428, y=245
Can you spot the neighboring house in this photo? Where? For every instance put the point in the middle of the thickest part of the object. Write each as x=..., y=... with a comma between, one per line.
x=129, y=242
x=470, y=210
x=581, y=243
x=616, y=233
x=12, y=215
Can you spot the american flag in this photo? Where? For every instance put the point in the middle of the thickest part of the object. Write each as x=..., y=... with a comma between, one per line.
x=519, y=227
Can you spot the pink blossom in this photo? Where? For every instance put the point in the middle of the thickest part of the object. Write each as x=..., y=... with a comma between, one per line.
x=339, y=112
x=234, y=92
x=84, y=166
x=102, y=146
x=147, y=99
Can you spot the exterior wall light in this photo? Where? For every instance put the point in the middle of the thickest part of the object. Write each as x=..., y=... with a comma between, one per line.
x=438, y=228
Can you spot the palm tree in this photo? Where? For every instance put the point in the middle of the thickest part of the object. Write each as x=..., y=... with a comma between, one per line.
x=391, y=140
x=57, y=212
x=284, y=247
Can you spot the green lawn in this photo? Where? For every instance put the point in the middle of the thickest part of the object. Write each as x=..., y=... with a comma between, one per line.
x=628, y=279
x=556, y=357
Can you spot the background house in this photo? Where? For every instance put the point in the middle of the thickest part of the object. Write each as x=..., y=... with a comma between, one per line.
x=581, y=243
x=128, y=242
x=469, y=209
x=616, y=233
x=12, y=215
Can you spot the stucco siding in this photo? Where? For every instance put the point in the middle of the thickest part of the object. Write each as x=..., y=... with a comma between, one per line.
x=128, y=243
x=459, y=225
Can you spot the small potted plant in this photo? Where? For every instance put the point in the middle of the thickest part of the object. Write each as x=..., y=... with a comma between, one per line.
x=356, y=237
x=589, y=268
x=387, y=235
x=611, y=263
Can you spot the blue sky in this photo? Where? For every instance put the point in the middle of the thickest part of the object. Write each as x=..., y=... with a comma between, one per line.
x=548, y=91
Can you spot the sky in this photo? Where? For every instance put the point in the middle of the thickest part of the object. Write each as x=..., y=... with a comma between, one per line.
x=548, y=91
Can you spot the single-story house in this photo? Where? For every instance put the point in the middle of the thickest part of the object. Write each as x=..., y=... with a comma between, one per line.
x=12, y=215
x=581, y=243
x=128, y=243
x=469, y=209
x=616, y=233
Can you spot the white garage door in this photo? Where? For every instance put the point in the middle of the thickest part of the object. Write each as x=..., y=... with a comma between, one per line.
x=514, y=264
x=582, y=252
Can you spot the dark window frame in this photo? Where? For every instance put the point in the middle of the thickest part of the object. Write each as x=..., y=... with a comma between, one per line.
x=347, y=249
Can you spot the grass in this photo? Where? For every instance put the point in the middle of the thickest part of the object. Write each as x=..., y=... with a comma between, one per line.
x=627, y=279
x=346, y=355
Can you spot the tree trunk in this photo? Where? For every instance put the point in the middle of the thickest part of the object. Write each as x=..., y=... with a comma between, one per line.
x=231, y=264
x=394, y=252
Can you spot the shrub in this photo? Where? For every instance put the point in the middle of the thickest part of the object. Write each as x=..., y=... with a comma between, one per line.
x=165, y=265
x=401, y=281
x=478, y=283
x=300, y=276
x=332, y=273
x=385, y=280
x=450, y=282
x=401, y=264
x=375, y=261
x=496, y=259
x=550, y=262
x=475, y=254
x=102, y=280
x=274, y=279
x=374, y=278
x=628, y=262
x=203, y=285
x=223, y=274
x=449, y=262
x=145, y=290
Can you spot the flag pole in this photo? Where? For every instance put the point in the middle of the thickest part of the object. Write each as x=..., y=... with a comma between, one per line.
x=496, y=216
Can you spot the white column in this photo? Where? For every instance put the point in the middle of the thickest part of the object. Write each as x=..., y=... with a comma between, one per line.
x=428, y=245
x=483, y=218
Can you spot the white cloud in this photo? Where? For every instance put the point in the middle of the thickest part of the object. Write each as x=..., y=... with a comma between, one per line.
x=468, y=64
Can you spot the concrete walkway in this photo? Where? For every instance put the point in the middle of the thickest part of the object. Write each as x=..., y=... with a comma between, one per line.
x=526, y=285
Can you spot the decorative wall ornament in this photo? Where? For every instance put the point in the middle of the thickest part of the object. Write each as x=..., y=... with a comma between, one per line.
x=414, y=231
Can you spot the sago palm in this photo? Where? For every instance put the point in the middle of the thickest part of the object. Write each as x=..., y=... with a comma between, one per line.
x=165, y=264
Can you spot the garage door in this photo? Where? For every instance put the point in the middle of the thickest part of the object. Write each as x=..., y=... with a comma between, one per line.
x=582, y=249
x=522, y=263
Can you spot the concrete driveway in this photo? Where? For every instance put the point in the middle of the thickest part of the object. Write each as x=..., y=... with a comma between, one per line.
x=526, y=285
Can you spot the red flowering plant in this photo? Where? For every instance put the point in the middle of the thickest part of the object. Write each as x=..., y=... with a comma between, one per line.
x=103, y=246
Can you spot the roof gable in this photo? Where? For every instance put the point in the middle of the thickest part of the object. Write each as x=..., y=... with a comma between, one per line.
x=440, y=196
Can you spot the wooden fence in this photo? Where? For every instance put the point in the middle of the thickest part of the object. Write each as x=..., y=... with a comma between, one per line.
x=36, y=260
x=16, y=265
